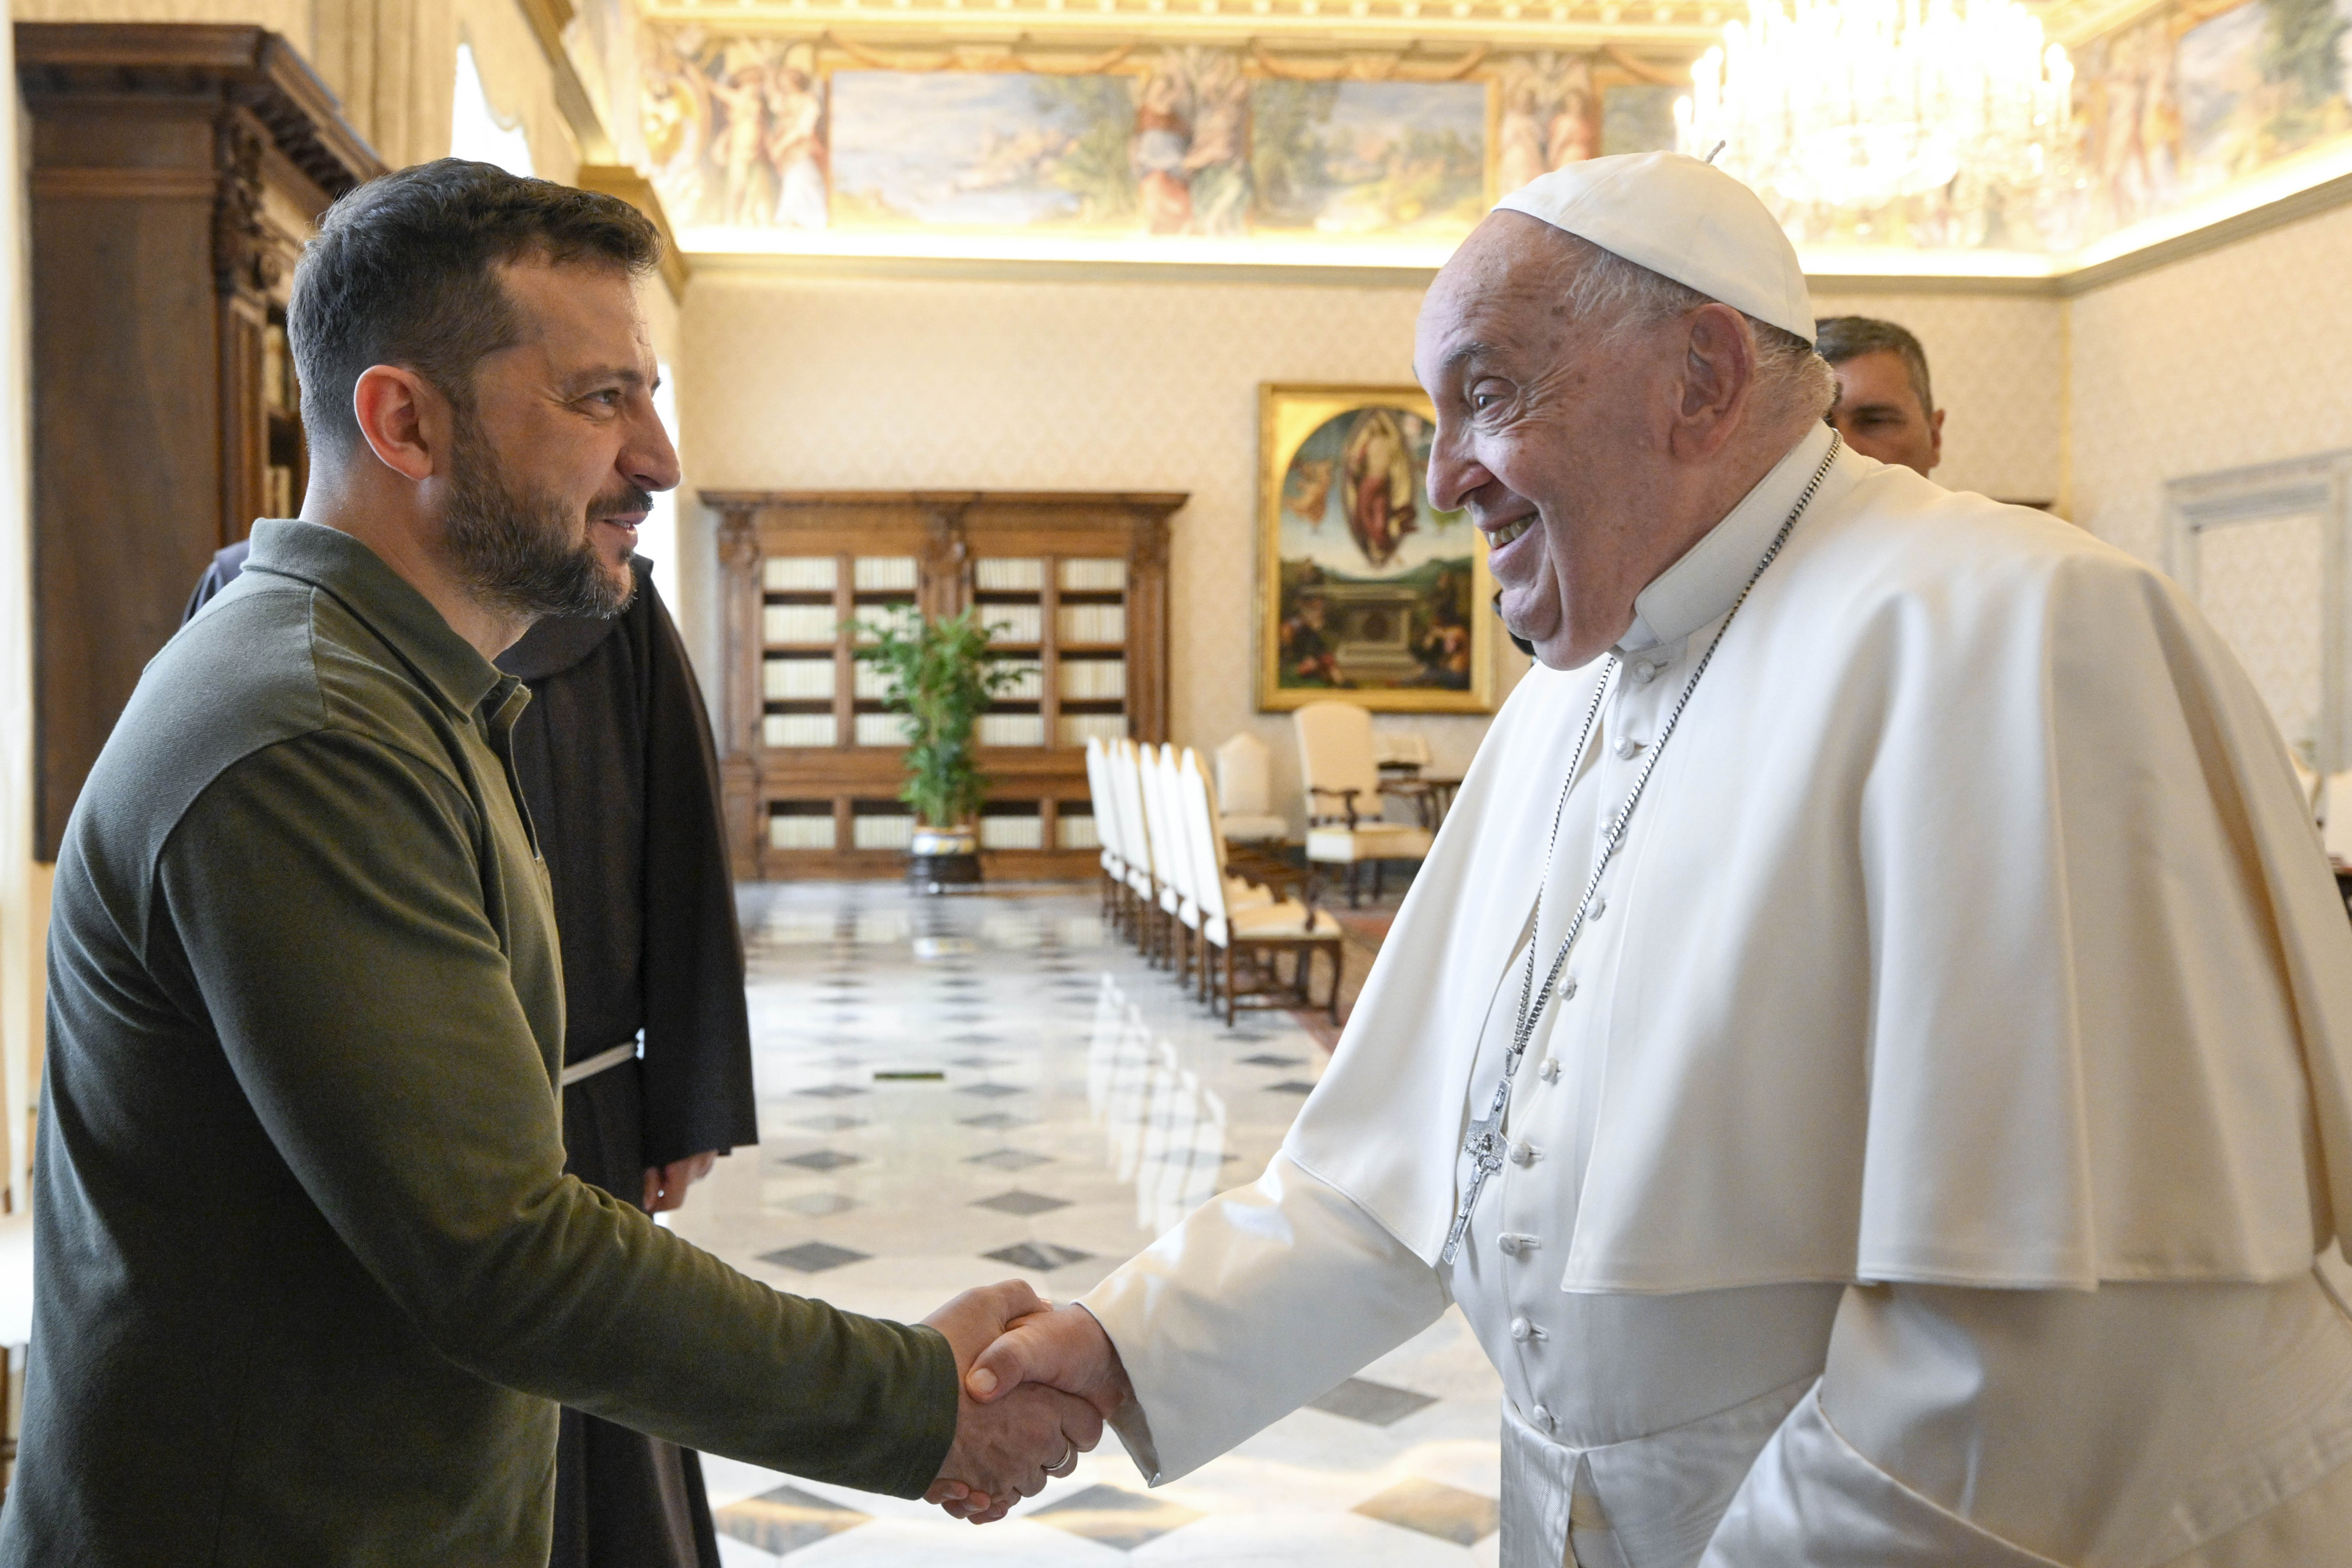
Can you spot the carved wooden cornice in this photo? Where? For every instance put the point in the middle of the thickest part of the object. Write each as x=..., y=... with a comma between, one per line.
x=248, y=68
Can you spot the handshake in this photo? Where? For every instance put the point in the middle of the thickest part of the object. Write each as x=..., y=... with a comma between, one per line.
x=1038, y=1382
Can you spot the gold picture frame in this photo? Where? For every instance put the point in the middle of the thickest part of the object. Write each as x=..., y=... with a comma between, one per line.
x=1366, y=593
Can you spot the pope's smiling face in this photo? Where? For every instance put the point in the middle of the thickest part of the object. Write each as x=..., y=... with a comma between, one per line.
x=1590, y=458
x=1545, y=432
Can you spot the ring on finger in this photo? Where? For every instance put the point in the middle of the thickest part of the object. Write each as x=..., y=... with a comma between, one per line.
x=1067, y=1463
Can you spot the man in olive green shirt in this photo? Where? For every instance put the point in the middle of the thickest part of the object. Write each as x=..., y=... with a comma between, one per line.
x=312, y=1280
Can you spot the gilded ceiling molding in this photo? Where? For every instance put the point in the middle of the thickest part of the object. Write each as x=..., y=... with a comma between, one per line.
x=1367, y=67
x=971, y=58
x=620, y=180
x=1681, y=31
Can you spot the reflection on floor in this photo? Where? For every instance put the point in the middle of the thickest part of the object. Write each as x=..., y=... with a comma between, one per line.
x=953, y=1091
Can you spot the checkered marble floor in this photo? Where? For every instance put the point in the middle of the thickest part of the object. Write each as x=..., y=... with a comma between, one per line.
x=960, y=1089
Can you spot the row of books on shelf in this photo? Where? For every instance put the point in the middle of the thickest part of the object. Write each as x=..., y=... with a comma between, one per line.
x=822, y=574
x=1020, y=624
x=788, y=623
x=1092, y=623
x=1015, y=623
x=1093, y=680
x=790, y=729
x=791, y=830
x=813, y=679
x=1087, y=574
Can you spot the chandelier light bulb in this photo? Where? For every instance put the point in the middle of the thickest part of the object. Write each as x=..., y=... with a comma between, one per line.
x=1860, y=104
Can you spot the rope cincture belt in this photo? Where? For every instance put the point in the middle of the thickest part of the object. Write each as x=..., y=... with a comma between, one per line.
x=589, y=1067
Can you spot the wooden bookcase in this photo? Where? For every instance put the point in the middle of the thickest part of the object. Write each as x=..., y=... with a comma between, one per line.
x=175, y=170
x=811, y=756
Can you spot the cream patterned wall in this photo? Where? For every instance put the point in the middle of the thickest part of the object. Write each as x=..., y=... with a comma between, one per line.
x=2235, y=356
x=815, y=384
x=919, y=384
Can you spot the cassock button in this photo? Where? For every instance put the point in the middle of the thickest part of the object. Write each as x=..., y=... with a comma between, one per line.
x=1524, y=1153
x=1600, y=908
x=1627, y=747
x=1549, y=1070
x=1513, y=1242
x=1541, y=1417
x=1522, y=1328
x=1568, y=987
x=1645, y=672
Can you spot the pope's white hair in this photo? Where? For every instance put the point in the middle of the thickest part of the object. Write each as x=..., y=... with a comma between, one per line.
x=1622, y=298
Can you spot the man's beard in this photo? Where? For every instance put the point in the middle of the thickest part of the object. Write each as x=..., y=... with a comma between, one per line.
x=522, y=552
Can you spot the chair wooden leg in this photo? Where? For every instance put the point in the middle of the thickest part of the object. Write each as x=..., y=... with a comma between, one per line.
x=1380, y=871
x=1339, y=959
x=1229, y=984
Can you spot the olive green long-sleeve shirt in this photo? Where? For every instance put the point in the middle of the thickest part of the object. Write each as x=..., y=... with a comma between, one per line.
x=311, y=1276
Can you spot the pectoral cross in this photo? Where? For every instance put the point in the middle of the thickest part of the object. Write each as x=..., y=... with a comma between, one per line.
x=1484, y=1148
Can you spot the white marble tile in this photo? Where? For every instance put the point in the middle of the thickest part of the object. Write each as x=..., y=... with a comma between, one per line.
x=1146, y=1106
x=922, y=1544
x=1296, y=1539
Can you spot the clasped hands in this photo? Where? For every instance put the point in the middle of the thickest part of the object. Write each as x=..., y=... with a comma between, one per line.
x=1037, y=1382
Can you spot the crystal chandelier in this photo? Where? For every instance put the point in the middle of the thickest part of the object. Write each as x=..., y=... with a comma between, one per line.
x=1846, y=105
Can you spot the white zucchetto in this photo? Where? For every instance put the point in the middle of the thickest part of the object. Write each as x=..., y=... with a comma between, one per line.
x=1686, y=219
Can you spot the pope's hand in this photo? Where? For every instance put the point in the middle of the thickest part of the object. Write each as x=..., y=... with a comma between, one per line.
x=1006, y=1445
x=1064, y=1348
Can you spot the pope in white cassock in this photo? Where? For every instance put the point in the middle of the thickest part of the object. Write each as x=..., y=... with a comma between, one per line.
x=1868, y=1053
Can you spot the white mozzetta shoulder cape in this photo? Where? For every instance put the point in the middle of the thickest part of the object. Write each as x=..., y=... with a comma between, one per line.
x=1976, y=934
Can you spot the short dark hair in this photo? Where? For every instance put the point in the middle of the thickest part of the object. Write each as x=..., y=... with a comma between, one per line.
x=1838, y=339
x=402, y=272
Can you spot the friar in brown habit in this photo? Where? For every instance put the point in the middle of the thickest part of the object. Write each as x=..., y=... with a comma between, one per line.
x=618, y=772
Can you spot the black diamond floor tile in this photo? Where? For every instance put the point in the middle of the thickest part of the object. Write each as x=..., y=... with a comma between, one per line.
x=1000, y=1122
x=830, y=1123
x=1374, y=1404
x=1292, y=1086
x=1268, y=1059
x=1010, y=1159
x=785, y=1520
x=1432, y=1508
x=830, y=1091
x=1118, y=1518
x=821, y=1160
x=813, y=1257
x=977, y=1062
x=1023, y=1202
x=1039, y=1257
x=990, y=1090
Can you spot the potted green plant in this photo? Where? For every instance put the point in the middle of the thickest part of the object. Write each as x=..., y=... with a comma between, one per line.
x=940, y=674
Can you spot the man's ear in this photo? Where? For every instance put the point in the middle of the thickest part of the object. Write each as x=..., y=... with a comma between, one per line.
x=404, y=419
x=1718, y=372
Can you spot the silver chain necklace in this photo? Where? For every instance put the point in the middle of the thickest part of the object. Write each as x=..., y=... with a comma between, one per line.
x=1483, y=1145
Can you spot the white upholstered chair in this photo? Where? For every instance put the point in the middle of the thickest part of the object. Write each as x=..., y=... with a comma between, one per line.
x=1143, y=891
x=1246, y=790
x=1261, y=929
x=2335, y=816
x=1344, y=825
x=1106, y=834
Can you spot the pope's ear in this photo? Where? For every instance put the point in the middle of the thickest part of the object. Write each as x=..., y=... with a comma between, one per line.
x=403, y=417
x=1718, y=374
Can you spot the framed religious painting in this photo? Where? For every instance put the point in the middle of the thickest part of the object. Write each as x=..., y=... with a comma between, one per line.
x=1367, y=593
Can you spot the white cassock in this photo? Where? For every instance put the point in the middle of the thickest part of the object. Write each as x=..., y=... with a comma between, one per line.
x=1924, y=1158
